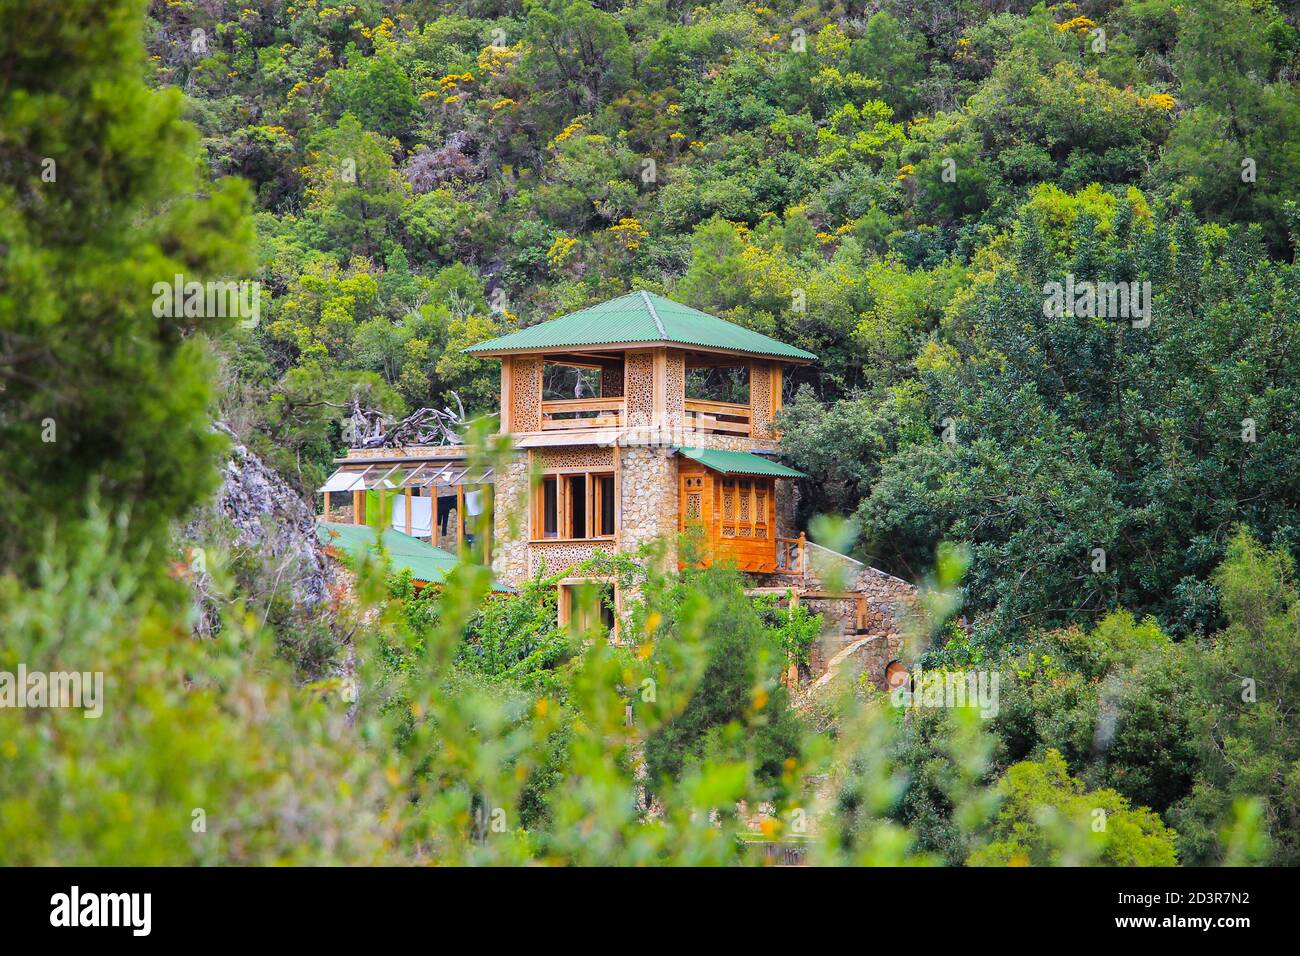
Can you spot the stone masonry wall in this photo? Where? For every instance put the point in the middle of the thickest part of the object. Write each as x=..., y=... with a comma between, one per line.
x=888, y=600
x=787, y=504
x=510, y=507
x=648, y=483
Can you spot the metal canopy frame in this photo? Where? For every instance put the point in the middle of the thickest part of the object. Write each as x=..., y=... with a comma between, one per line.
x=452, y=474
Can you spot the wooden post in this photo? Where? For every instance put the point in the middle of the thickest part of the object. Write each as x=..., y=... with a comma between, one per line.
x=358, y=507
x=590, y=485
x=408, y=510
x=803, y=553
x=618, y=495
x=327, y=506
x=659, y=366
x=750, y=372
x=507, y=385
x=535, y=492
x=485, y=523
x=460, y=518
x=564, y=599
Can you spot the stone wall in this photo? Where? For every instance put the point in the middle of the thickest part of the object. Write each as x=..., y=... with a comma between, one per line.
x=867, y=656
x=648, y=493
x=787, y=504
x=888, y=601
x=648, y=489
x=510, y=558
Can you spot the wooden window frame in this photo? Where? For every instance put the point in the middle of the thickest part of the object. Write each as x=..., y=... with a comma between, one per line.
x=564, y=600
x=593, y=497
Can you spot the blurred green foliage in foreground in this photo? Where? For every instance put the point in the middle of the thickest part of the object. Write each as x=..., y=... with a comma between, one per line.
x=678, y=747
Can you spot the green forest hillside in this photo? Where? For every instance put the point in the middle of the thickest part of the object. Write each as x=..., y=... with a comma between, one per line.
x=887, y=186
x=1110, y=503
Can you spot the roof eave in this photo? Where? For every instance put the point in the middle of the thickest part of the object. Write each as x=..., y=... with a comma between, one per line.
x=629, y=346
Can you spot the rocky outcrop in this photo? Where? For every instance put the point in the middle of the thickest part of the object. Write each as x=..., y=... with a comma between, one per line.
x=266, y=535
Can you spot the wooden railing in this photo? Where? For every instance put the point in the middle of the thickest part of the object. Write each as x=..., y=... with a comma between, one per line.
x=570, y=413
x=725, y=417
x=791, y=554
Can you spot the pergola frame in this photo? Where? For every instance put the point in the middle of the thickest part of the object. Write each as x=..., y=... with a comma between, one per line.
x=420, y=474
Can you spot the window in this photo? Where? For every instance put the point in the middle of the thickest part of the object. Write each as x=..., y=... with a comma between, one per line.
x=747, y=507
x=550, y=526
x=575, y=524
x=604, y=511
x=588, y=604
x=722, y=383
x=578, y=506
x=560, y=382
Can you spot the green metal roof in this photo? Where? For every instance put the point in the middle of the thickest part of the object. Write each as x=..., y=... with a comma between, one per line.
x=358, y=541
x=641, y=317
x=739, y=463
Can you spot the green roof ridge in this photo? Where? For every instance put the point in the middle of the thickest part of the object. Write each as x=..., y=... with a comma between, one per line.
x=659, y=323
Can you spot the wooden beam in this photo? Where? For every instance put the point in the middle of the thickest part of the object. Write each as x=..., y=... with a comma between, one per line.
x=408, y=513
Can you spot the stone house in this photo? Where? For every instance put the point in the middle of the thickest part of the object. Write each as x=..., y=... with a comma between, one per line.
x=633, y=421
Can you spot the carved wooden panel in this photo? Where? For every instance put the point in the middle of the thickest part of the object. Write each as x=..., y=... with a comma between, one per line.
x=694, y=500
x=611, y=381
x=675, y=387
x=735, y=515
x=576, y=457
x=560, y=556
x=760, y=399
x=693, y=506
x=526, y=394
x=639, y=388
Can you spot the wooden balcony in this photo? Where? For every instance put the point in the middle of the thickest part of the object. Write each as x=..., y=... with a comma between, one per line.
x=570, y=414
x=578, y=413
x=726, y=418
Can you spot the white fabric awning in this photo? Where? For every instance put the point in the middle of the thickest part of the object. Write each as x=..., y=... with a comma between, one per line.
x=344, y=481
x=354, y=481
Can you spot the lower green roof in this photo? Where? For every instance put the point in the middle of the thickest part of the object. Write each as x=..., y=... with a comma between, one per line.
x=358, y=541
x=739, y=463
